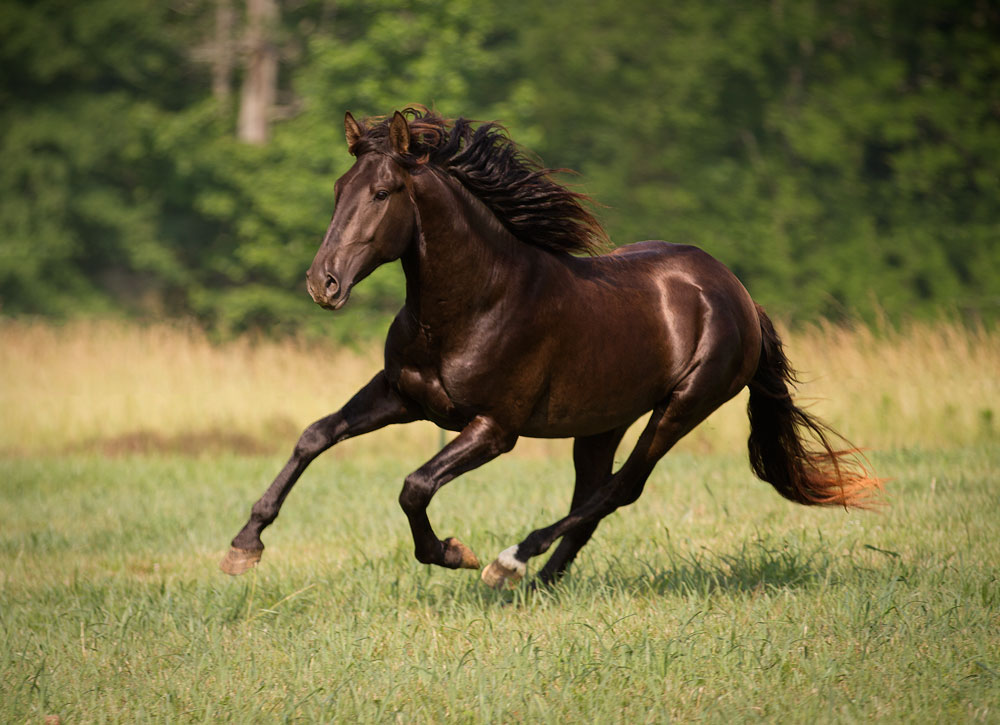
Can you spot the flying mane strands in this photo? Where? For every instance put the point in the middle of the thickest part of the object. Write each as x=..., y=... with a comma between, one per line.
x=518, y=190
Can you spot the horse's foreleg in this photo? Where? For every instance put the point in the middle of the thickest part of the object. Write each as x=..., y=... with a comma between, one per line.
x=374, y=406
x=593, y=458
x=480, y=441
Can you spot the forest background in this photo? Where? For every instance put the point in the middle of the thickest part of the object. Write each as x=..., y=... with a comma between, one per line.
x=166, y=174
x=177, y=159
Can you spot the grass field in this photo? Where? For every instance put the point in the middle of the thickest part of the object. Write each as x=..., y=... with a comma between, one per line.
x=710, y=599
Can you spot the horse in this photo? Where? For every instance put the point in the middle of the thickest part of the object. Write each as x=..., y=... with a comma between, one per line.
x=515, y=324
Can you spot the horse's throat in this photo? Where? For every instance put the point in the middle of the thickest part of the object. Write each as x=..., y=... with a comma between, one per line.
x=464, y=260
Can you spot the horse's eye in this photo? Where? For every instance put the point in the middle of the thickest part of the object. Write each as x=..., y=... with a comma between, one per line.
x=381, y=195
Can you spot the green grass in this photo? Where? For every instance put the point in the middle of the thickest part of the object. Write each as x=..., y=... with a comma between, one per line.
x=710, y=599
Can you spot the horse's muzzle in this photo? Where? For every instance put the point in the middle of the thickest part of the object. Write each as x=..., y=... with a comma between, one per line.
x=327, y=293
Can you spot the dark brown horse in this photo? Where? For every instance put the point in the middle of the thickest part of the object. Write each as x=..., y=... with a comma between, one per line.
x=506, y=333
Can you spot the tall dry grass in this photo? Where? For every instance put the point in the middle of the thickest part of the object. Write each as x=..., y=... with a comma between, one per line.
x=926, y=384
x=114, y=387
x=117, y=387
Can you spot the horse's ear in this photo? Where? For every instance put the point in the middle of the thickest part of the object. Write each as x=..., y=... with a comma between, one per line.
x=399, y=134
x=353, y=129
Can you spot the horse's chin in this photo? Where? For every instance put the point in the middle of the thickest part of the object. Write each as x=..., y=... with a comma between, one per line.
x=342, y=301
x=336, y=304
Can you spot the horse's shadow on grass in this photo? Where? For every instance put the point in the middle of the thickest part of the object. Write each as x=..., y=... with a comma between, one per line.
x=757, y=566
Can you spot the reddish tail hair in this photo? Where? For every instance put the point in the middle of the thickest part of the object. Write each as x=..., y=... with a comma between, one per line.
x=779, y=450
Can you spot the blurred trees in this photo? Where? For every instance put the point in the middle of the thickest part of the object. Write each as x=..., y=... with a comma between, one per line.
x=836, y=155
x=843, y=158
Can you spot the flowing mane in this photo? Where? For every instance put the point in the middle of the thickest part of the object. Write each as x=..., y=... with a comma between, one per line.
x=520, y=191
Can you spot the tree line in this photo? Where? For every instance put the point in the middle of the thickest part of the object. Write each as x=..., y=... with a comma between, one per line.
x=178, y=159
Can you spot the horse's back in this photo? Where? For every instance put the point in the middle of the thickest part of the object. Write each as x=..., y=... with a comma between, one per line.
x=700, y=266
x=638, y=321
x=682, y=272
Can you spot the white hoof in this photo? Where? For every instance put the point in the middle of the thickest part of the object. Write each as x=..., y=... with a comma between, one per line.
x=506, y=571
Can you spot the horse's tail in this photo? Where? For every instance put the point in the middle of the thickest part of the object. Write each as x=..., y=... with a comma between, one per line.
x=779, y=452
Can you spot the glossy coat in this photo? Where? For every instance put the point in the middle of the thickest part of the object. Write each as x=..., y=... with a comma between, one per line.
x=506, y=331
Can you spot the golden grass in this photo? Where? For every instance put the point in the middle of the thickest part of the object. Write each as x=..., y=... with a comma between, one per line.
x=929, y=384
x=116, y=387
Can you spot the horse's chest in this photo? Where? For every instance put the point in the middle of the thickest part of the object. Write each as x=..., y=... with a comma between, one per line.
x=426, y=389
x=439, y=383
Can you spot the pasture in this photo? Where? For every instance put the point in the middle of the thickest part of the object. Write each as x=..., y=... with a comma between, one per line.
x=131, y=456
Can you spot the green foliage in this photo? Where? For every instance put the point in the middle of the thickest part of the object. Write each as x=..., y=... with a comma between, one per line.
x=84, y=87
x=842, y=159
x=835, y=157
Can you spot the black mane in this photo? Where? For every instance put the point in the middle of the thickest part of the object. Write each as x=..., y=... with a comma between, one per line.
x=517, y=189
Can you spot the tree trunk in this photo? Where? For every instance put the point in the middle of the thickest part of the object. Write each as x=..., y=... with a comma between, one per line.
x=222, y=51
x=260, y=77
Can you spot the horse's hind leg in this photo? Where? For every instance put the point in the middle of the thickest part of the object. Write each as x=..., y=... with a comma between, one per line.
x=593, y=458
x=670, y=422
x=374, y=406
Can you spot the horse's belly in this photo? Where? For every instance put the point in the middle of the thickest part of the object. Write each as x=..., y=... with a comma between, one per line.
x=591, y=400
x=579, y=426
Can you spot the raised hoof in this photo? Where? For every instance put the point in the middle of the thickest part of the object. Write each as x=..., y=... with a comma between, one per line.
x=239, y=561
x=505, y=571
x=466, y=557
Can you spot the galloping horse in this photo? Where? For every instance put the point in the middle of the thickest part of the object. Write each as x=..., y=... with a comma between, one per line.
x=506, y=333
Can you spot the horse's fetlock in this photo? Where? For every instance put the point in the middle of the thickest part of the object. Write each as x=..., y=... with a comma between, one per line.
x=424, y=556
x=533, y=545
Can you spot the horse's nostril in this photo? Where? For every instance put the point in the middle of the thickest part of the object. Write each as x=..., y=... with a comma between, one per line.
x=332, y=285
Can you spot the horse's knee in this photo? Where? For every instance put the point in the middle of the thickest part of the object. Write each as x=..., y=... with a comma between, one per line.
x=314, y=440
x=417, y=491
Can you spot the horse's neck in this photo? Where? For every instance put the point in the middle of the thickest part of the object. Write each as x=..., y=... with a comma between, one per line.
x=465, y=259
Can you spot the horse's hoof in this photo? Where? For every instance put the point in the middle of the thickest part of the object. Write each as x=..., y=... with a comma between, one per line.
x=467, y=558
x=238, y=561
x=505, y=571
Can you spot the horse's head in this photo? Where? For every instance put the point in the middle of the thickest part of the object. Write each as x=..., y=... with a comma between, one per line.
x=374, y=220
